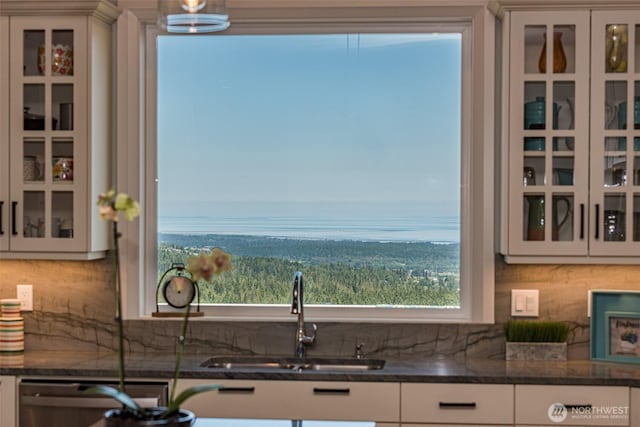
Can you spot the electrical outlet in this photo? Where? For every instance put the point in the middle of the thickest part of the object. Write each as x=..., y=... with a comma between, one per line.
x=25, y=295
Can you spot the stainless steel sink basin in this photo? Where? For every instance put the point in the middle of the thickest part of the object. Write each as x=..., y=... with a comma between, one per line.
x=315, y=364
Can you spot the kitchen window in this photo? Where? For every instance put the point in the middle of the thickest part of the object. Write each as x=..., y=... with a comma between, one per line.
x=288, y=147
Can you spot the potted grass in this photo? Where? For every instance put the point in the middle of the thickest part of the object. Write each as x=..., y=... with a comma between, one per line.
x=536, y=340
x=203, y=266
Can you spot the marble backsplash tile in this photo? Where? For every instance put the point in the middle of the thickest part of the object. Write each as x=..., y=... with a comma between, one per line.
x=73, y=310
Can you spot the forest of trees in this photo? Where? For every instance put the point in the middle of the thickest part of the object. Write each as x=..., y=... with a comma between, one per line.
x=335, y=272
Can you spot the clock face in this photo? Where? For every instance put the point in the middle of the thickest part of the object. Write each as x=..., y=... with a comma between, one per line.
x=179, y=291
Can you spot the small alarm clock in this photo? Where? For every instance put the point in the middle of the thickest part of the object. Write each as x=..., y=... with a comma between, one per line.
x=178, y=290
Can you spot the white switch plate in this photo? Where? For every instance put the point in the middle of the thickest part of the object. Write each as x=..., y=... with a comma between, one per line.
x=25, y=295
x=524, y=302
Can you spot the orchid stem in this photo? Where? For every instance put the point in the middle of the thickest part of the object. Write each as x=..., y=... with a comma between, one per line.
x=118, y=301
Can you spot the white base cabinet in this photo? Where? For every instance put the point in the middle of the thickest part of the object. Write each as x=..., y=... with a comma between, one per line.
x=462, y=404
x=311, y=400
x=8, y=402
x=571, y=405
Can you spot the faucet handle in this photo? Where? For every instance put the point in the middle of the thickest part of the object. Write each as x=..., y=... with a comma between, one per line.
x=358, y=354
x=312, y=337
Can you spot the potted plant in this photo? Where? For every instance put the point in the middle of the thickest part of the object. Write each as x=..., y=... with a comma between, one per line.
x=536, y=340
x=203, y=266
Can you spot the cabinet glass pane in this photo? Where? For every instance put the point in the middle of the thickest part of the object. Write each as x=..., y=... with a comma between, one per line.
x=615, y=171
x=614, y=217
x=562, y=218
x=616, y=46
x=636, y=170
x=563, y=100
x=534, y=39
x=615, y=107
x=637, y=49
x=535, y=105
x=534, y=217
x=33, y=107
x=563, y=168
x=615, y=145
x=62, y=160
x=62, y=53
x=564, y=38
x=62, y=214
x=33, y=160
x=33, y=40
x=534, y=171
x=564, y=143
x=633, y=116
x=33, y=219
x=62, y=106
x=636, y=217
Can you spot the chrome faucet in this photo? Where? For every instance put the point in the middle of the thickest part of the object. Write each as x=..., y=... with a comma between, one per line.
x=297, y=307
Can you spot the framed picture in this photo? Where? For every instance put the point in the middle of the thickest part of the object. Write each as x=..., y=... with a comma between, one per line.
x=624, y=329
x=615, y=326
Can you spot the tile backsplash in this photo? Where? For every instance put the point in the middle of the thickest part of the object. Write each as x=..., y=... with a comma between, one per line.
x=73, y=310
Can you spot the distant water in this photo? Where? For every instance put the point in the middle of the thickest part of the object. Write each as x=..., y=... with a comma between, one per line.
x=333, y=224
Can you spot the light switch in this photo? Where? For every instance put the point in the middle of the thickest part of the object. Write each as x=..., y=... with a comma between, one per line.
x=524, y=302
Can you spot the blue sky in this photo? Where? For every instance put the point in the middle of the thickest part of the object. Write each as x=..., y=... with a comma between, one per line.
x=312, y=118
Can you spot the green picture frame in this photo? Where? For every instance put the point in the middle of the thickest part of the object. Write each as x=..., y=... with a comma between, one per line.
x=615, y=319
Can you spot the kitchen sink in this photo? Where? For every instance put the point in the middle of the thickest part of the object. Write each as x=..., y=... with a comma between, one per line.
x=313, y=364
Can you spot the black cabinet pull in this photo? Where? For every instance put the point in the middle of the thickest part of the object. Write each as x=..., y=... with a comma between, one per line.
x=1, y=225
x=318, y=390
x=457, y=405
x=14, y=230
x=581, y=221
x=248, y=390
x=597, y=236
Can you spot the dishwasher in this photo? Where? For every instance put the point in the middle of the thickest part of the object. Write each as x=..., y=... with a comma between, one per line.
x=58, y=403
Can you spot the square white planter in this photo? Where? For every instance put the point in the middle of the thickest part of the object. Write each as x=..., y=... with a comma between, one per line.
x=536, y=351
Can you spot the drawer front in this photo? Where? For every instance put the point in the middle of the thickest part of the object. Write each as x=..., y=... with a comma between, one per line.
x=572, y=405
x=457, y=403
x=350, y=401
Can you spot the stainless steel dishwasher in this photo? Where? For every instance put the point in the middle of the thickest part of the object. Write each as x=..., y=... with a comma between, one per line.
x=57, y=403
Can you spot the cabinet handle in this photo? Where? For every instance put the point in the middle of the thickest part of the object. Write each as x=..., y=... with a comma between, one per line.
x=581, y=221
x=457, y=405
x=1, y=225
x=248, y=390
x=14, y=230
x=597, y=236
x=319, y=390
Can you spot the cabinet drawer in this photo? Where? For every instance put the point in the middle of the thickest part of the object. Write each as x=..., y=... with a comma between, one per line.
x=457, y=403
x=583, y=405
x=352, y=401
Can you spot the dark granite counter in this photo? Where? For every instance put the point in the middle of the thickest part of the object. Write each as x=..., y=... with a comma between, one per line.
x=104, y=365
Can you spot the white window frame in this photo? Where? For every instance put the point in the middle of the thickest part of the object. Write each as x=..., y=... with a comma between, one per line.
x=135, y=150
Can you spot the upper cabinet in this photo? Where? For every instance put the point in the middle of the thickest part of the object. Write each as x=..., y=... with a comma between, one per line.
x=572, y=187
x=55, y=136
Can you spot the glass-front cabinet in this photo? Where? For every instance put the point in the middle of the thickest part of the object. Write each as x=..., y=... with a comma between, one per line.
x=56, y=157
x=548, y=139
x=573, y=137
x=615, y=133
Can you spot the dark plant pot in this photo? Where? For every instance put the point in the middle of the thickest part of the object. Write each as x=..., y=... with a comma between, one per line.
x=124, y=418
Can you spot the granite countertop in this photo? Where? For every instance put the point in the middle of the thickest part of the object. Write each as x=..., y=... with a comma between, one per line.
x=574, y=372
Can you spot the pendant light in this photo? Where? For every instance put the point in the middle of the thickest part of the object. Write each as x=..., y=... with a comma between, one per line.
x=192, y=16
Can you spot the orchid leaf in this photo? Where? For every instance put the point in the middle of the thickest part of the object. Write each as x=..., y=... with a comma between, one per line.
x=174, y=406
x=118, y=395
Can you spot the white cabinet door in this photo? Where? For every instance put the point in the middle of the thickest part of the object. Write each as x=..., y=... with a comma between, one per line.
x=572, y=405
x=58, y=136
x=4, y=137
x=8, y=403
x=548, y=139
x=350, y=401
x=457, y=403
x=615, y=133
x=634, y=407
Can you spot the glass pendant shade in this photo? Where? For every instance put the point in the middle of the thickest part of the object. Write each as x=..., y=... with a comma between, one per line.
x=193, y=16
